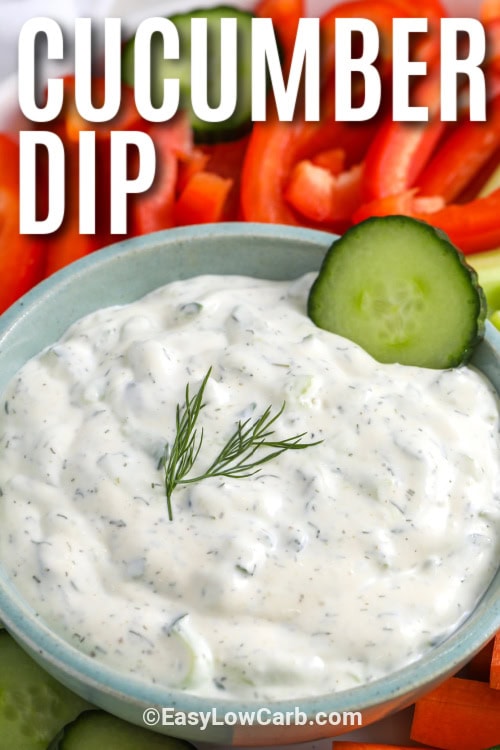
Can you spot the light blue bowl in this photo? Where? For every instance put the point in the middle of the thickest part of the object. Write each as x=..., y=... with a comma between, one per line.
x=125, y=272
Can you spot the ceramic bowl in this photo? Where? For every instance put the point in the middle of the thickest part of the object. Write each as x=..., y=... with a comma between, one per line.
x=120, y=274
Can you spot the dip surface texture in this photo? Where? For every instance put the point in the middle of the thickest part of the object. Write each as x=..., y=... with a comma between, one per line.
x=331, y=567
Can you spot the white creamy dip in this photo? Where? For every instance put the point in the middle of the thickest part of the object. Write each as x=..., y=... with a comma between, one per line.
x=331, y=567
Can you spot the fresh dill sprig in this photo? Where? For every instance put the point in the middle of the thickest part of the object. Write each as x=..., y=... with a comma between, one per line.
x=236, y=459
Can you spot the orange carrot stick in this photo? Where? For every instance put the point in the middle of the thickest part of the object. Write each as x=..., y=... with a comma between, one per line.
x=370, y=746
x=479, y=666
x=495, y=665
x=460, y=714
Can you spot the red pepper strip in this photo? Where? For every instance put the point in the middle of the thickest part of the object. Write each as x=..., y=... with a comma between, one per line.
x=154, y=209
x=188, y=167
x=285, y=15
x=398, y=153
x=322, y=197
x=492, y=61
x=332, y=159
x=381, y=12
x=400, y=150
x=269, y=158
x=424, y=8
x=425, y=46
x=127, y=118
x=406, y=203
x=203, y=199
x=472, y=226
x=490, y=9
x=466, y=150
x=226, y=160
x=67, y=244
x=21, y=256
x=274, y=147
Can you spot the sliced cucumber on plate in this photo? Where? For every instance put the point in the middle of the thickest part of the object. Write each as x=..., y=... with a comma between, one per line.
x=161, y=68
x=33, y=705
x=400, y=289
x=96, y=730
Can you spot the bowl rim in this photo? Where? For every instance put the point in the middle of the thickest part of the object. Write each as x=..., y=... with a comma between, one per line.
x=64, y=659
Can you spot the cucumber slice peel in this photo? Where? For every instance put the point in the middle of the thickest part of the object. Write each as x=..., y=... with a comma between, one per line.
x=96, y=730
x=400, y=289
x=204, y=132
x=33, y=705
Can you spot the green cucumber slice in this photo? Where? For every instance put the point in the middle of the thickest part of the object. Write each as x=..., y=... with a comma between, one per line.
x=400, y=289
x=204, y=132
x=33, y=705
x=96, y=730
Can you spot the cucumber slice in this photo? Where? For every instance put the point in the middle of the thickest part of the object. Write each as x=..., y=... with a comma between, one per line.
x=96, y=730
x=33, y=705
x=204, y=132
x=399, y=288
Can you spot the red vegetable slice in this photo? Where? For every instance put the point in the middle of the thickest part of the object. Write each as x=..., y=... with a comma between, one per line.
x=285, y=15
x=466, y=150
x=21, y=256
x=154, y=210
x=203, y=199
x=460, y=714
x=322, y=197
x=495, y=664
x=67, y=245
x=275, y=147
x=400, y=150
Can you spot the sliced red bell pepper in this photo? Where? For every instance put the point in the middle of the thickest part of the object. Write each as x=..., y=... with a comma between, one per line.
x=400, y=150
x=426, y=46
x=332, y=159
x=406, y=203
x=67, y=244
x=21, y=256
x=203, y=199
x=226, y=160
x=127, y=118
x=466, y=150
x=489, y=10
x=285, y=15
x=425, y=8
x=269, y=158
x=154, y=210
x=492, y=60
x=273, y=149
x=472, y=226
x=322, y=197
x=382, y=12
x=187, y=167
x=398, y=153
